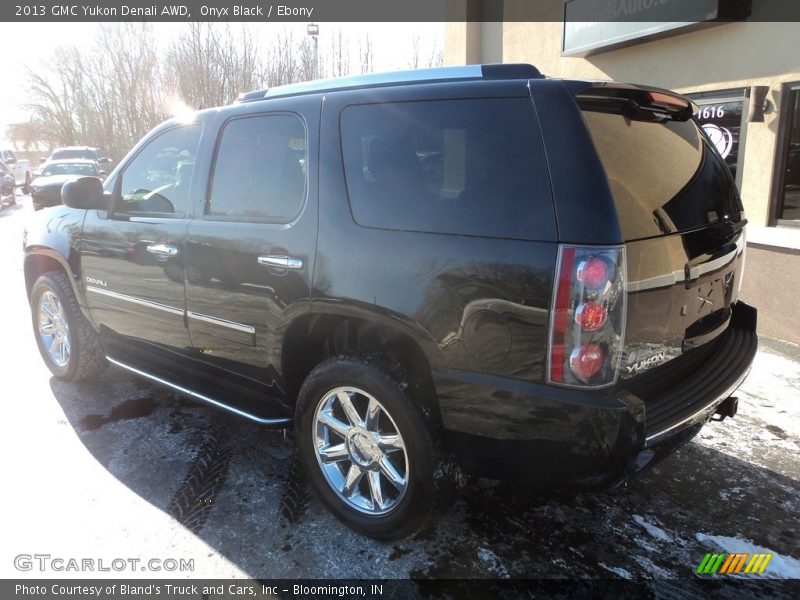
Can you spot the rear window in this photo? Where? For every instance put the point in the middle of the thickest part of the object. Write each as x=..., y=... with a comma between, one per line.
x=473, y=167
x=67, y=154
x=664, y=177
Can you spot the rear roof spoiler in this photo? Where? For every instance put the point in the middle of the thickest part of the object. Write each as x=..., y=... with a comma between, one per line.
x=636, y=103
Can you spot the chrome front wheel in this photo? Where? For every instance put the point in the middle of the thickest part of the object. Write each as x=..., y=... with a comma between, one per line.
x=360, y=450
x=54, y=329
x=68, y=343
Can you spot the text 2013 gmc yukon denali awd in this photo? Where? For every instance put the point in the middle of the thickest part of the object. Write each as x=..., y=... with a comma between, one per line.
x=476, y=268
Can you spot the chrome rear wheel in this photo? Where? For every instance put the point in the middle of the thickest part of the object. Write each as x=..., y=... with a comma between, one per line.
x=360, y=450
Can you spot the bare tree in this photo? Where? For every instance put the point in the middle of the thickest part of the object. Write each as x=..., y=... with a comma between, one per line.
x=339, y=55
x=424, y=54
x=56, y=90
x=127, y=82
x=366, y=54
x=113, y=94
x=211, y=64
x=282, y=59
x=26, y=135
x=308, y=59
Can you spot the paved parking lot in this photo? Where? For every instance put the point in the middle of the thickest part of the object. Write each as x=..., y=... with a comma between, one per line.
x=120, y=468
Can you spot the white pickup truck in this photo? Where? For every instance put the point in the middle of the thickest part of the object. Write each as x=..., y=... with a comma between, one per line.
x=21, y=169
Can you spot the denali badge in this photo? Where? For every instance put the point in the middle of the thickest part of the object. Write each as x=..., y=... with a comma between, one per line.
x=94, y=281
x=647, y=362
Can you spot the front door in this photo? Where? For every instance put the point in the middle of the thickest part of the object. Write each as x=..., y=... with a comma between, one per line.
x=133, y=256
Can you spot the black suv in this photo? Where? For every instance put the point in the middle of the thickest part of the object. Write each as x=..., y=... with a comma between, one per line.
x=473, y=269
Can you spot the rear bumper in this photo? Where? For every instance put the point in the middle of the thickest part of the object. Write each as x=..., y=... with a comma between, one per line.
x=556, y=437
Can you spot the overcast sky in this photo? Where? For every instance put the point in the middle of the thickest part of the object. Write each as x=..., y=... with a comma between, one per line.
x=29, y=44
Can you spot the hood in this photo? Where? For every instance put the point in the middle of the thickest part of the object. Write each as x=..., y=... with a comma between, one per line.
x=54, y=180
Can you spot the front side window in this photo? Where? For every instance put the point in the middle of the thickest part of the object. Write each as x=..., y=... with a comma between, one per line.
x=259, y=172
x=789, y=189
x=158, y=179
x=471, y=167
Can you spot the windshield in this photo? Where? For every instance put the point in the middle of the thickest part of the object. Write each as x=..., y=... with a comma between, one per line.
x=70, y=169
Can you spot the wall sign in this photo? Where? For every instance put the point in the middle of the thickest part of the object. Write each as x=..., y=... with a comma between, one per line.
x=592, y=26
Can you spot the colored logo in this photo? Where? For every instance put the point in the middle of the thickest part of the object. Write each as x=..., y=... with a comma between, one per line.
x=730, y=564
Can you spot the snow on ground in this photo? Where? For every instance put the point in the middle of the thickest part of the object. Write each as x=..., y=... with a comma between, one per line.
x=654, y=531
x=618, y=571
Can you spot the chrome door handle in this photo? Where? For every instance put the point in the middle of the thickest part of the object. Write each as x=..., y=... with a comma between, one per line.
x=281, y=261
x=163, y=249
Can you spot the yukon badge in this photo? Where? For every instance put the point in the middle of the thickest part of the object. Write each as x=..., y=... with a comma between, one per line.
x=94, y=281
x=646, y=362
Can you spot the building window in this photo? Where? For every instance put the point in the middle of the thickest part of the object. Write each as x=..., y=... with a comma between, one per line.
x=722, y=116
x=787, y=196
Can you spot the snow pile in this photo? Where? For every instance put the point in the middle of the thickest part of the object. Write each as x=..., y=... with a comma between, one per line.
x=655, y=532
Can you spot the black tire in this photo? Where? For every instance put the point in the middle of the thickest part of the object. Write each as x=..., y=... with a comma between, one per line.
x=86, y=357
x=26, y=187
x=429, y=472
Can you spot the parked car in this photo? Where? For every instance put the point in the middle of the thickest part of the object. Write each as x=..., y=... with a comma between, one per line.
x=472, y=269
x=81, y=152
x=20, y=169
x=8, y=189
x=46, y=188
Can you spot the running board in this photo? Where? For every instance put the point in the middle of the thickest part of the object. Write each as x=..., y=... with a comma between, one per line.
x=197, y=396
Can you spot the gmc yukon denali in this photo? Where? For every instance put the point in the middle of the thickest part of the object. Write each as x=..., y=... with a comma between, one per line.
x=471, y=270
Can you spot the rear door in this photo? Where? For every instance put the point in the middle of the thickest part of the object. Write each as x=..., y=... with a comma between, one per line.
x=680, y=216
x=250, y=253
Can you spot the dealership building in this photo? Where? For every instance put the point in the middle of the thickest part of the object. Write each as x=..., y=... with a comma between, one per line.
x=744, y=75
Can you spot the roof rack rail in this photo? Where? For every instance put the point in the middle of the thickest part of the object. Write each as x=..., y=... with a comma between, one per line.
x=438, y=74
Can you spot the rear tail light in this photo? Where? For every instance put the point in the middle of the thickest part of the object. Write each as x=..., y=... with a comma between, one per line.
x=587, y=325
x=586, y=361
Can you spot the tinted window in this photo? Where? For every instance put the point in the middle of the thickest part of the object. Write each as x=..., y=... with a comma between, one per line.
x=472, y=167
x=664, y=177
x=259, y=172
x=157, y=180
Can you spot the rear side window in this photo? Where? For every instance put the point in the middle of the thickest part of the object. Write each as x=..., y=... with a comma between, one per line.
x=259, y=173
x=473, y=167
x=664, y=177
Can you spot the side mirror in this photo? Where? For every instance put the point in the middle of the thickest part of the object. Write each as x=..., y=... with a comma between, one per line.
x=103, y=174
x=42, y=160
x=84, y=193
x=105, y=160
x=11, y=161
